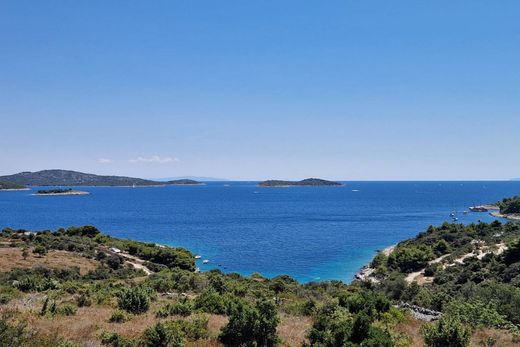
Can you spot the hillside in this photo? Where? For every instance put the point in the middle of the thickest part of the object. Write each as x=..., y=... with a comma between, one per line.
x=73, y=178
x=306, y=182
x=9, y=185
x=77, y=287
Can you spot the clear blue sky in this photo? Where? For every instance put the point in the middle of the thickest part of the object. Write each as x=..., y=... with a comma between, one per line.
x=262, y=89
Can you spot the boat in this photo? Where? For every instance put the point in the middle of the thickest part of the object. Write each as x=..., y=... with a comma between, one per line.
x=452, y=214
x=205, y=261
x=198, y=257
x=455, y=219
x=465, y=212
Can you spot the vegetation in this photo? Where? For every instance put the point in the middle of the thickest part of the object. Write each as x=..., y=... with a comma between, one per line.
x=72, y=178
x=510, y=205
x=54, y=191
x=472, y=272
x=305, y=182
x=9, y=185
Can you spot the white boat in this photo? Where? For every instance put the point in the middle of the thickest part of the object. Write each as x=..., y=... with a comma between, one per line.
x=198, y=257
x=205, y=261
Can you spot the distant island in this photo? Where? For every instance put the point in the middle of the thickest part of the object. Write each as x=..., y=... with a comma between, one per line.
x=184, y=182
x=312, y=182
x=11, y=186
x=60, y=192
x=74, y=178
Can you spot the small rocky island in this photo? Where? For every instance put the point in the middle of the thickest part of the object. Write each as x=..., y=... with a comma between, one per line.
x=69, y=191
x=309, y=182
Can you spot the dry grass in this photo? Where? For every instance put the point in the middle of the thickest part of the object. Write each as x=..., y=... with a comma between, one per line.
x=412, y=328
x=11, y=258
x=500, y=337
x=293, y=329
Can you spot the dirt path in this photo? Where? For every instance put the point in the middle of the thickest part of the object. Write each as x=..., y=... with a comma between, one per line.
x=414, y=276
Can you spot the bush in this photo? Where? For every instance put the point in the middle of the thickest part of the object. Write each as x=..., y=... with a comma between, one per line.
x=134, y=299
x=67, y=310
x=447, y=332
x=40, y=250
x=118, y=316
x=182, y=308
x=84, y=300
x=163, y=335
x=210, y=301
x=116, y=340
x=251, y=326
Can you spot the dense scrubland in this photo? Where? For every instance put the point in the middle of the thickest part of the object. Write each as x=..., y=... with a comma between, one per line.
x=79, y=287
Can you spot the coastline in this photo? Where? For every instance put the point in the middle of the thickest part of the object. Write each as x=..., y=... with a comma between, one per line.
x=14, y=189
x=507, y=216
x=366, y=273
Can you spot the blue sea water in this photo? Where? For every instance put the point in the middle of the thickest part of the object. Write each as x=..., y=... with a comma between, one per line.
x=310, y=233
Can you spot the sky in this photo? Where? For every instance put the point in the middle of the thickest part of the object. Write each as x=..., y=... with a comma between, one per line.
x=251, y=90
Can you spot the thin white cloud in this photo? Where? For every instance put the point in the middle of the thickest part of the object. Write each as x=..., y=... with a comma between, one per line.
x=104, y=161
x=154, y=159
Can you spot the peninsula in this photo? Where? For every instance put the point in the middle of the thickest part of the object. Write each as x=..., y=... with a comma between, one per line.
x=312, y=182
x=11, y=186
x=73, y=178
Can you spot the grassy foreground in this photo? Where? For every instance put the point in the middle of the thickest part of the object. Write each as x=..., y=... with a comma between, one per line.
x=79, y=287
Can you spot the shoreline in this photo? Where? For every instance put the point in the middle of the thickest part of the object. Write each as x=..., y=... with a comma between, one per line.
x=366, y=272
x=497, y=214
x=14, y=189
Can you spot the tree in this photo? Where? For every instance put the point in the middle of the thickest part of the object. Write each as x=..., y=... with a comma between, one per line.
x=40, y=250
x=25, y=254
x=251, y=326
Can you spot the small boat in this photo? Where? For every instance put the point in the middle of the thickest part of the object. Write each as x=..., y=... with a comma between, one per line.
x=455, y=219
x=465, y=212
x=205, y=261
x=198, y=257
x=355, y=190
x=452, y=214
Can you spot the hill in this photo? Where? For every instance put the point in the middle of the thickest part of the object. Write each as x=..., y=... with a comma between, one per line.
x=184, y=182
x=73, y=178
x=9, y=185
x=306, y=182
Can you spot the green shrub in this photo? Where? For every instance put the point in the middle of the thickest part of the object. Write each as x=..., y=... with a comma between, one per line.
x=84, y=300
x=134, y=299
x=67, y=310
x=163, y=335
x=118, y=316
x=250, y=326
x=447, y=332
x=40, y=250
x=181, y=308
x=116, y=340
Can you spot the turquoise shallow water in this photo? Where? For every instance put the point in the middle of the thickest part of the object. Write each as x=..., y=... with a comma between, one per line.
x=310, y=233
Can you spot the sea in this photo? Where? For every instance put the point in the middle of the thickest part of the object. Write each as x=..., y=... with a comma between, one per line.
x=309, y=233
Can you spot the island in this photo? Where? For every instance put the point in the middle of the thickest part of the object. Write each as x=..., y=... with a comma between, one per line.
x=61, y=192
x=58, y=177
x=184, y=182
x=7, y=186
x=309, y=182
